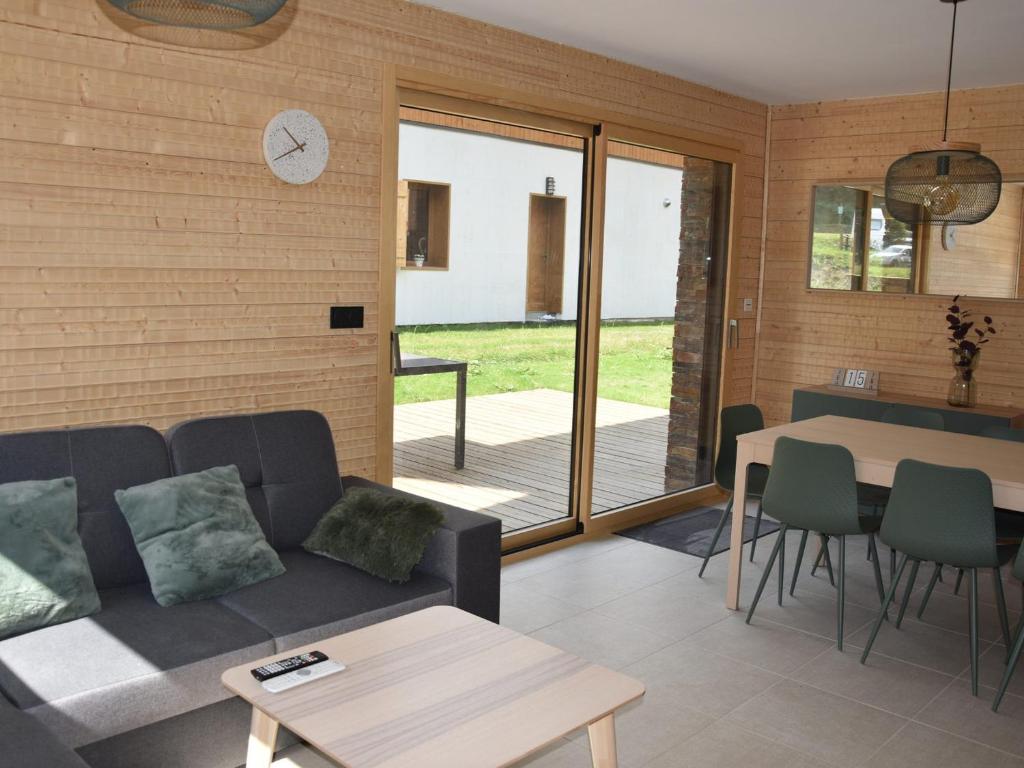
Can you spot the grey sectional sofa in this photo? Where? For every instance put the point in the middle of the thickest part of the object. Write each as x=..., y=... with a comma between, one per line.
x=139, y=685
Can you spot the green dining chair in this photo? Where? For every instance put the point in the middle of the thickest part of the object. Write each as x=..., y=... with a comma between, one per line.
x=905, y=416
x=1009, y=525
x=942, y=515
x=1018, y=640
x=813, y=487
x=737, y=420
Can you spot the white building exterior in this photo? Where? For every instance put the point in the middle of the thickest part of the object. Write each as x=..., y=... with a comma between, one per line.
x=492, y=179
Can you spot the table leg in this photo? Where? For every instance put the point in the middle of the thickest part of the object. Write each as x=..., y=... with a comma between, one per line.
x=460, y=419
x=602, y=742
x=262, y=739
x=739, y=512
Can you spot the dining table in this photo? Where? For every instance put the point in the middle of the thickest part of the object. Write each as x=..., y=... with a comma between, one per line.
x=877, y=448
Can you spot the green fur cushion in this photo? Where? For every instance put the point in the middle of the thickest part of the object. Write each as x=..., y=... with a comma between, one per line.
x=44, y=574
x=379, y=533
x=197, y=535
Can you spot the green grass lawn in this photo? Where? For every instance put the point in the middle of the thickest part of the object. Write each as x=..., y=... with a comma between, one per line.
x=636, y=360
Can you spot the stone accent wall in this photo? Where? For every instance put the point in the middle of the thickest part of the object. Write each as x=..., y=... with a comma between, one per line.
x=684, y=464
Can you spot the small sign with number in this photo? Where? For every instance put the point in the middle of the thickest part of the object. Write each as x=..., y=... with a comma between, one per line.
x=855, y=378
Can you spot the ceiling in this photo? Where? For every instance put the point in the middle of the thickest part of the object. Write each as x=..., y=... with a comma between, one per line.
x=784, y=51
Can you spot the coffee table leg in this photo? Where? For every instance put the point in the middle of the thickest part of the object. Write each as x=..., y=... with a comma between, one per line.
x=602, y=742
x=262, y=739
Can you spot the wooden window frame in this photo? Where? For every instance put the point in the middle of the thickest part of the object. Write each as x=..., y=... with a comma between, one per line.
x=409, y=87
x=439, y=215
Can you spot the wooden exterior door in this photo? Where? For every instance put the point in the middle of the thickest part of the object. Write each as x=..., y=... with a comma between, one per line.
x=545, y=258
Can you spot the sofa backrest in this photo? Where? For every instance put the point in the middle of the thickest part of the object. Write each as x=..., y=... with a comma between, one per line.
x=286, y=460
x=102, y=460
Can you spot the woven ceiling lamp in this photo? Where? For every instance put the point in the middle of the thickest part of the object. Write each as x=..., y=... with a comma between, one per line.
x=202, y=14
x=950, y=182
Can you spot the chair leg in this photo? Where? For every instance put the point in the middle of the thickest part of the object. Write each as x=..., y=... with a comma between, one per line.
x=824, y=554
x=907, y=591
x=767, y=571
x=1011, y=664
x=828, y=561
x=782, y=563
x=799, y=560
x=1004, y=620
x=841, y=603
x=959, y=580
x=973, y=607
x=892, y=563
x=757, y=529
x=936, y=576
x=873, y=551
x=714, y=539
x=885, y=605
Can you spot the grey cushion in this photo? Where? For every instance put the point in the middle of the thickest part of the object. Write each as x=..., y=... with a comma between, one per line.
x=131, y=664
x=197, y=536
x=27, y=744
x=44, y=574
x=286, y=460
x=101, y=459
x=317, y=598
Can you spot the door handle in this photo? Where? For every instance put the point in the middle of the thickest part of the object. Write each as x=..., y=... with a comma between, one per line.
x=734, y=333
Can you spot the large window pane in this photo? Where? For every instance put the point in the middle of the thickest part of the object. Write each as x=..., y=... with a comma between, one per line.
x=664, y=263
x=488, y=255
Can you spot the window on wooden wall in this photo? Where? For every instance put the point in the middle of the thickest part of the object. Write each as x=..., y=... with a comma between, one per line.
x=855, y=245
x=424, y=213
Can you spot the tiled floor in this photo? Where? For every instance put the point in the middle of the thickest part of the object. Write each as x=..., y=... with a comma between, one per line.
x=776, y=693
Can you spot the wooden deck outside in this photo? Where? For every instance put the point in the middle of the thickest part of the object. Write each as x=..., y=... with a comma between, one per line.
x=517, y=454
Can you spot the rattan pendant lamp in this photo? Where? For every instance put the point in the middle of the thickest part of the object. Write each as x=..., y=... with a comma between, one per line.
x=949, y=182
x=202, y=14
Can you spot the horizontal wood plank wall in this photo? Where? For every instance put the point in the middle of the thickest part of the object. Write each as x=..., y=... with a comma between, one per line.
x=153, y=269
x=804, y=333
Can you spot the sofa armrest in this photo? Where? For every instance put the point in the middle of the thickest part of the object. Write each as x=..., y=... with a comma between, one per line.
x=465, y=552
x=27, y=743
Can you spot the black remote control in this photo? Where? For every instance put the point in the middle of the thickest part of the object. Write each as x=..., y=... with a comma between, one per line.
x=284, y=666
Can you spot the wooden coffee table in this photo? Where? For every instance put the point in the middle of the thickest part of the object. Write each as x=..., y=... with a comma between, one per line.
x=439, y=687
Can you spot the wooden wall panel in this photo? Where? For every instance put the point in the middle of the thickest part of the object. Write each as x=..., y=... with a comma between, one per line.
x=804, y=333
x=153, y=269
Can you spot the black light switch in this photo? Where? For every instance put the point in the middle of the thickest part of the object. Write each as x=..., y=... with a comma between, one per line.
x=346, y=317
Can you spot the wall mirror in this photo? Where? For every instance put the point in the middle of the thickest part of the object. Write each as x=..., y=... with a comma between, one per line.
x=855, y=245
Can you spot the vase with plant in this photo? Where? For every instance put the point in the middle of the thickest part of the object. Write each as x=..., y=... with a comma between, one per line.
x=967, y=337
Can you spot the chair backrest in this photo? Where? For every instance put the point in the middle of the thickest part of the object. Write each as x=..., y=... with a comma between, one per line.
x=1004, y=433
x=736, y=420
x=909, y=416
x=941, y=514
x=813, y=486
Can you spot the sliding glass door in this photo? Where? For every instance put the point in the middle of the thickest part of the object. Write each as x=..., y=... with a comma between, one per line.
x=488, y=255
x=557, y=314
x=664, y=265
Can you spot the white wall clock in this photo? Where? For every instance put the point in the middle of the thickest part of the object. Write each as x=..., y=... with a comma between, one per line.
x=948, y=237
x=295, y=146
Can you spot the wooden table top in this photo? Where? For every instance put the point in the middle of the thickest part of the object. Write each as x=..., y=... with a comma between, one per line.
x=878, y=447
x=439, y=688
x=417, y=364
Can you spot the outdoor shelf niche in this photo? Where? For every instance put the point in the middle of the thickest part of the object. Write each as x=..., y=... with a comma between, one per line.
x=424, y=213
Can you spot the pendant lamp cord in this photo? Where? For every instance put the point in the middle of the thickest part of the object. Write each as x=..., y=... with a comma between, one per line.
x=949, y=74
